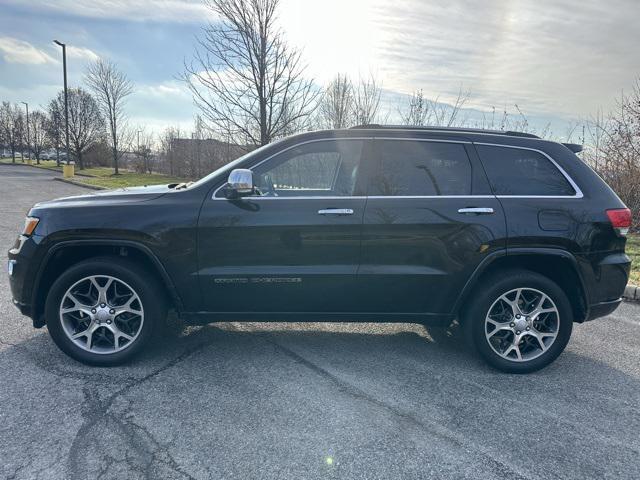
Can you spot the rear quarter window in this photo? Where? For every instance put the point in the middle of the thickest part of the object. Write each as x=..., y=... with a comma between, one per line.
x=517, y=171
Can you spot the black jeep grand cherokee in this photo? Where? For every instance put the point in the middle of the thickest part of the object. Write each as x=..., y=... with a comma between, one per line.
x=512, y=235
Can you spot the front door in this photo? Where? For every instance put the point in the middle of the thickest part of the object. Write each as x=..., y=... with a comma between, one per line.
x=294, y=245
x=430, y=220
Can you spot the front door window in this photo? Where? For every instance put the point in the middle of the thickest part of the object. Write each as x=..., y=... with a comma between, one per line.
x=325, y=168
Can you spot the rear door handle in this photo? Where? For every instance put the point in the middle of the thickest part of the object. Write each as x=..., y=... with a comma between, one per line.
x=335, y=211
x=476, y=210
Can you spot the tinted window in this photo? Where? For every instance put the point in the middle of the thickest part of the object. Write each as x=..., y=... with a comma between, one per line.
x=317, y=168
x=514, y=171
x=421, y=168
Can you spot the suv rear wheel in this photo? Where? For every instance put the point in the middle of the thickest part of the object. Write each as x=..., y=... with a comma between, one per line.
x=519, y=321
x=102, y=311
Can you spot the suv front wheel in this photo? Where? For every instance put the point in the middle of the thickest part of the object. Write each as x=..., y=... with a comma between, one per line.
x=103, y=311
x=519, y=321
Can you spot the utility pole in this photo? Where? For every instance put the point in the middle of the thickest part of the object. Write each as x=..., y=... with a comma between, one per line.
x=28, y=141
x=66, y=103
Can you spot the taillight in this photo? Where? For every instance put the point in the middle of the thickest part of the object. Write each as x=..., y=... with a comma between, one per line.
x=620, y=219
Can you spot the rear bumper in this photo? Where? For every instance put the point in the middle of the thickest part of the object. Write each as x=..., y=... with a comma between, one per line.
x=602, y=309
x=605, y=276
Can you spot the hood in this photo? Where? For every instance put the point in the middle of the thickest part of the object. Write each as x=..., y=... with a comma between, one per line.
x=118, y=196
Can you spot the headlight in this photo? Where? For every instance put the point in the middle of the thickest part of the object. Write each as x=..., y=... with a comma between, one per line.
x=30, y=224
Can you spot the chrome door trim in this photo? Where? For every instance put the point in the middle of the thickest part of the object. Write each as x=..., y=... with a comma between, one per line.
x=316, y=197
x=573, y=184
x=478, y=210
x=379, y=197
x=335, y=211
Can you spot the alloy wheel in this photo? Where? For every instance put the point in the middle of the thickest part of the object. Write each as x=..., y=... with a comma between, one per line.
x=522, y=324
x=101, y=314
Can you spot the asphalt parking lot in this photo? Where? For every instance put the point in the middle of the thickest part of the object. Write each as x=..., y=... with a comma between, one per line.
x=374, y=401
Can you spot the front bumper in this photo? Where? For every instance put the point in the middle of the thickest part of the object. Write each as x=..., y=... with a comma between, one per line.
x=21, y=272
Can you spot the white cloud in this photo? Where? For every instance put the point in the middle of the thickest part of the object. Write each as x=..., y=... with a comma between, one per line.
x=553, y=57
x=174, y=11
x=19, y=51
x=82, y=53
x=165, y=89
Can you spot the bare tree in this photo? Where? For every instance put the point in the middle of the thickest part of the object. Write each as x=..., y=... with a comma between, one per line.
x=86, y=123
x=167, y=147
x=366, y=103
x=38, y=133
x=111, y=88
x=337, y=105
x=145, y=143
x=597, y=127
x=55, y=126
x=620, y=165
x=418, y=111
x=248, y=83
x=450, y=114
x=11, y=123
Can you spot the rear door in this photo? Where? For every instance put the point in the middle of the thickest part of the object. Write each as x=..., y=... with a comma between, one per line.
x=294, y=246
x=429, y=222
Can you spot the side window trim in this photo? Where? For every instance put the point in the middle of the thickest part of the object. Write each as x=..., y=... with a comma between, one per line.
x=372, y=157
x=296, y=145
x=578, y=193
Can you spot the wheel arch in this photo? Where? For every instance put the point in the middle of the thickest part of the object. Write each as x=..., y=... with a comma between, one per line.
x=67, y=253
x=558, y=265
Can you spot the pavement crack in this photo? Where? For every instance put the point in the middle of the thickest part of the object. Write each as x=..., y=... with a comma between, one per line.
x=8, y=344
x=500, y=467
x=137, y=450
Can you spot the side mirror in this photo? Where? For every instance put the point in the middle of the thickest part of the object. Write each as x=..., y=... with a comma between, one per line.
x=240, y=183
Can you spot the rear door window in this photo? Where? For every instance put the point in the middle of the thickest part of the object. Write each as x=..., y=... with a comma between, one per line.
x=421, y=168
x=517, y=171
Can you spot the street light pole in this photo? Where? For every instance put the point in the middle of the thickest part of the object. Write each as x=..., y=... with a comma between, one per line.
x=28, y=141
x=66, y=103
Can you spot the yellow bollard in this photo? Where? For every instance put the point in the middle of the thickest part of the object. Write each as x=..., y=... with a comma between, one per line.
x=68, y=170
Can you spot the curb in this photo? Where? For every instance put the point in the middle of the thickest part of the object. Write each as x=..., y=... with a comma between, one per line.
x=58, y=171
x=79, y=184
x=40, y=167
x=631, y=293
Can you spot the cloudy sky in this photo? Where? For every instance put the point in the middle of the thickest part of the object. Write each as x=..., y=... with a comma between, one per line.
x=557, y=60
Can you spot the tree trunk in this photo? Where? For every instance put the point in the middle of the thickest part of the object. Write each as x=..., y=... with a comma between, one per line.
x=114, y=137
x=115, y=160
x=263, y=97
x=80, y=161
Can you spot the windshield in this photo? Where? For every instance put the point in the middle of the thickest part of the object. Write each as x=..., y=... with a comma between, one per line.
x=229, y=166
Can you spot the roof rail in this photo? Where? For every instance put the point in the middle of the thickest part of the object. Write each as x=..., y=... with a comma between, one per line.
x=443, y=129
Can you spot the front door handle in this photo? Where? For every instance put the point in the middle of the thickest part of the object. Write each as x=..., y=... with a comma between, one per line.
x=476, y=210
x=335, y=211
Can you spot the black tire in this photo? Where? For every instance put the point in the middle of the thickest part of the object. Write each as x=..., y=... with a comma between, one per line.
x=144, y=284
x=490, y=290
